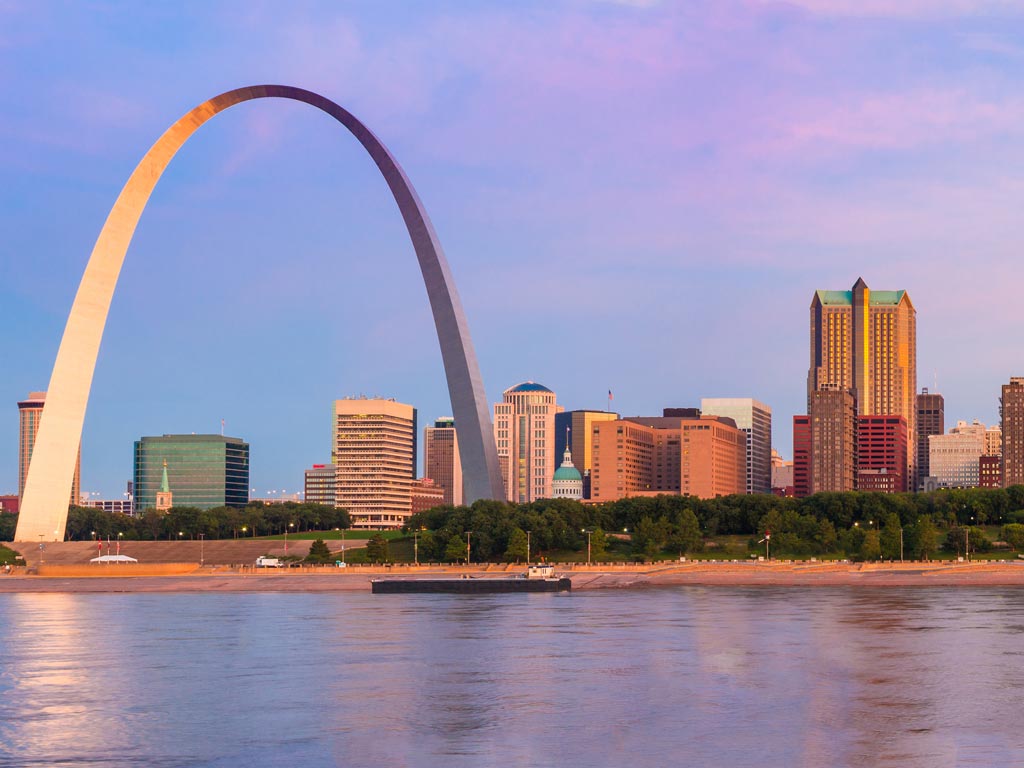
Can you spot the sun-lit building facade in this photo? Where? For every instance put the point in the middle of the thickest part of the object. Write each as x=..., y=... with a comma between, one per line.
x=865, y=342
x=524, y=432
x=755, y=419
x=373, y=451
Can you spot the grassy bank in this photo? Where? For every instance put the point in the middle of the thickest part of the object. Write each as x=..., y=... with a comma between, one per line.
x=9, y=556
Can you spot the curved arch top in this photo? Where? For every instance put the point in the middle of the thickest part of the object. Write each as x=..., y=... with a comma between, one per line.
x=48, y=485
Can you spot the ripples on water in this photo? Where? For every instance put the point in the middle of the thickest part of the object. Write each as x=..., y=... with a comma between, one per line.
x=658, y=677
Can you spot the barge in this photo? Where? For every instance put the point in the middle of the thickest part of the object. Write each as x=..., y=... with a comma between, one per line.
x=538, y=578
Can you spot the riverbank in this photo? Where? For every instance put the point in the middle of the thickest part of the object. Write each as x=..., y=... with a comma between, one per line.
x=583, y=577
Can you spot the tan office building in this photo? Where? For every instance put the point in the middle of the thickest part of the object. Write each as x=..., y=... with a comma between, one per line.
x=374, y=456
x=441, y=460
x=524, y=432
x=1011, y=409
x=865, y=342
x=30, y=412
x=701, y=456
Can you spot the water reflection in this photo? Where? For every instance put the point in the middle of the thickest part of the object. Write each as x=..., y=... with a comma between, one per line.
x=756, y=676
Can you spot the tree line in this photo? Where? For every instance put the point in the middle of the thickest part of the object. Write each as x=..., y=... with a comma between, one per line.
x=860, y=525
x=255, y=519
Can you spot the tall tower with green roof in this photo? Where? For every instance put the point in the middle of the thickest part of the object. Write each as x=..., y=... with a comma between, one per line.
x=865, y=342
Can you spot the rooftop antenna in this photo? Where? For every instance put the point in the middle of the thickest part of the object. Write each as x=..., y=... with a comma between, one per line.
x=222, y=427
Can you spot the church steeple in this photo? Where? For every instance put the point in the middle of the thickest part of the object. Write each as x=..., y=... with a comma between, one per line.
x=164, y=497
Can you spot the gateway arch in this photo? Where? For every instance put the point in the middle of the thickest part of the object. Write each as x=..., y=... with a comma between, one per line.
x=44, y=507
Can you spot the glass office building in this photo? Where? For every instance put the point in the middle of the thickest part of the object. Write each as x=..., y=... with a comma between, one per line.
x=203, y=471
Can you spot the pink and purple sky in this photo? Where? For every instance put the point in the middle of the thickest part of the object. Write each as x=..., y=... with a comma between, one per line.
x=635, y=196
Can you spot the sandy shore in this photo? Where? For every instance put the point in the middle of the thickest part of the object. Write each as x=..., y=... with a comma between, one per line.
x=709, y=574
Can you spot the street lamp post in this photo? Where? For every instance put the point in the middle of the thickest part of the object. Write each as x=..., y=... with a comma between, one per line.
x=528, y=547
x=588, y=544
x=467, y=547
x=416, y=547
x=290, y=525
x=901, y=543
x=202, y=541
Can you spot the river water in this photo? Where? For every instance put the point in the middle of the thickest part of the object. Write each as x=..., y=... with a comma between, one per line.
x=650, y=677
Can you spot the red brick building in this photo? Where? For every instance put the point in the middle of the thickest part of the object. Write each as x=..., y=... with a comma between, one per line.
x=882, y=454
x=426, y=494
x=990, y=472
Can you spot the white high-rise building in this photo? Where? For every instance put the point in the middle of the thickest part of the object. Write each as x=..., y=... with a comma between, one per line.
x=524, y=431
x=755, y=419
x=953, y=457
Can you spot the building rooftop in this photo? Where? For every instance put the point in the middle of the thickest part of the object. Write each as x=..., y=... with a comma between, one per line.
x=875, y=299
x=568, y=473
x=528, y=386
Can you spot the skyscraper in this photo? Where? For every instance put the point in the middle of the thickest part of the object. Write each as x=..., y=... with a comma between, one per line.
x=833, y=441
x=441, y=460
x=524, y=430
x=865, y=342
x=201, y=471
x=931, y=420
x=801, y=456
x=30, y=411
x=755, y=419
x=374, y=454
x=579, y=439
x=1011, y=409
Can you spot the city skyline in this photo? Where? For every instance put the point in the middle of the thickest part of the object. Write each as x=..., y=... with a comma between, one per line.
x=903, y=182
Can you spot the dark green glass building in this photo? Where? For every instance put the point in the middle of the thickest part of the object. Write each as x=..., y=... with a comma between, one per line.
x=202, y=471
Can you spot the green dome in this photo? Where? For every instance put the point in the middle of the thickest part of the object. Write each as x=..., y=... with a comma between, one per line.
x=529, y=386
x=568, y=473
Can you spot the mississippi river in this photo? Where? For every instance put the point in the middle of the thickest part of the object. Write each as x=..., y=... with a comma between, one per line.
x=701, y=676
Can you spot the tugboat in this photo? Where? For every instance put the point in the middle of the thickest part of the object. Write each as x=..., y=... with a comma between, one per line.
x=538, y=578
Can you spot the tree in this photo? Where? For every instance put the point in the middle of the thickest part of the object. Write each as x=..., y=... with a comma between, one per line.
x=8, y=524
x=319, y=553
x=889, y=540
x=687, y=536
x=517, y=543
x=377, y=549
x=870, y=548
x=1013, y=534
x=456, y=549
x=598, y=543
x=926, y=539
